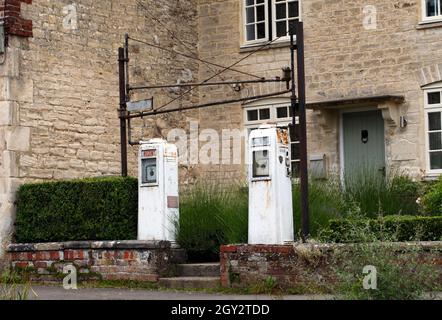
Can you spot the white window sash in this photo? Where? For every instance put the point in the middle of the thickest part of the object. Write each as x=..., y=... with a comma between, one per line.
x=287, y=37
x=426, y=18
x=430, y=108
x=266, y=21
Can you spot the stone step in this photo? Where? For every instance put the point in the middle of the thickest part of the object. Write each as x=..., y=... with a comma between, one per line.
x=190, y=283
x=199, y=270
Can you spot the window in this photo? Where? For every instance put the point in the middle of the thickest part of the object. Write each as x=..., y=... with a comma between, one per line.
x=431, y=10
x=266, y=20
x=256, y=19
x=433, y=119
x=281, y=114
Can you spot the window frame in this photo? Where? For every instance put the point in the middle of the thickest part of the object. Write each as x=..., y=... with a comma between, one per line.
x=431, y=108
x=274, y=30
x=244, y=24
x=428, y=19
x=270, y=24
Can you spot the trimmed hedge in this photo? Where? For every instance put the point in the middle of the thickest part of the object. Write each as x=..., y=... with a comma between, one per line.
x=388, y=228
x=87, y=209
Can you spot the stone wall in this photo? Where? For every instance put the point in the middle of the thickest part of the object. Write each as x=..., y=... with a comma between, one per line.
x=343, y=60
x=303, y=267
x=125, y=260
x=59, y=88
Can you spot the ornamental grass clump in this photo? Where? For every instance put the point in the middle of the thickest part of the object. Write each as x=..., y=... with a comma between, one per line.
x=374, y=194
x=12, y=287
x=210, y=216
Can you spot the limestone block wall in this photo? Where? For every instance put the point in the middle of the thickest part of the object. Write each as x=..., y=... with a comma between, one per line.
x=59, y=86
x=219, y=34
x=344, y=59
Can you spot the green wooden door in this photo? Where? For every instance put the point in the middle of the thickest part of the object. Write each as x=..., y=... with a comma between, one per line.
x=364, y=144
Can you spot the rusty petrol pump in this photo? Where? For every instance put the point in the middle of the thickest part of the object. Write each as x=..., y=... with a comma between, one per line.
x=155, y=198
x=158, y=202
x=270, y=187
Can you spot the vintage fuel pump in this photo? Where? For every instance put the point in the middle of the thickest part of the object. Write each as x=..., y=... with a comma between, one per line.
x=270, y=187
x=158, y=211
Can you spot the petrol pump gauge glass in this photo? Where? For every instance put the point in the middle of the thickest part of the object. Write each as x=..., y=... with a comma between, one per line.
x=261, y=141
x=149, y=171
x=261, y=164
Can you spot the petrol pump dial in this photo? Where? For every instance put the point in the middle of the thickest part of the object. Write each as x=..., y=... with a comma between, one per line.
x=261, y=164
x=149, y=167
x=151, y=171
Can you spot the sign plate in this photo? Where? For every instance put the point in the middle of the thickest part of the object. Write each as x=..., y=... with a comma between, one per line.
x=139, y=106
x=173, y=202
x=149, y=153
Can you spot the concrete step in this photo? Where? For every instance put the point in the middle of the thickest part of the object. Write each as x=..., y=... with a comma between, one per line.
x=190, y=282
x=199, y=270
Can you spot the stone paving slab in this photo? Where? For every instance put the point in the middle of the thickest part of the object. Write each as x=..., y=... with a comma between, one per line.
x=58, y=293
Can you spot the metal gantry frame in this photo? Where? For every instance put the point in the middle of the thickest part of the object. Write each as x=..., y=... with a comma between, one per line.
x=298, y=100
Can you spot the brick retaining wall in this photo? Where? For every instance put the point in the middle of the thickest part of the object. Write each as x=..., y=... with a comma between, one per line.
x=300, y=266
x=124, y=260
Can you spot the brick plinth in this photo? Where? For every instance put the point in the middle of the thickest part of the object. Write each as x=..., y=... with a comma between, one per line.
x=296, y=266
x=126, y=260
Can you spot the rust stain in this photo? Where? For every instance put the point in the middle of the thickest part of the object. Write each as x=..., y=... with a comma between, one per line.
x=283, y=136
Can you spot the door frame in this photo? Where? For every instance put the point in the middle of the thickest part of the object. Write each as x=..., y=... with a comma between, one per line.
x=341, y=136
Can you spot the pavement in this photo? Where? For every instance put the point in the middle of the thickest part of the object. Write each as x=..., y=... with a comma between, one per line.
x=58, y=293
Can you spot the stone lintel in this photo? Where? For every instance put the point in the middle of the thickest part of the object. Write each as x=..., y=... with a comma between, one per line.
x=388, y=104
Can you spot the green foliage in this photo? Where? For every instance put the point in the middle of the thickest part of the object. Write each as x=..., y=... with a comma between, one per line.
x=12, y=287
x=398, y=228
x=401, y=274
x=365, y=192
x=87, y=209
x=210, y=216
x=326, y=202
x=268, y=286
x=432, y=201
x=374, y=194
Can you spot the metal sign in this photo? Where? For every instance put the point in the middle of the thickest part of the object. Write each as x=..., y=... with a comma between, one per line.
x=139, y=106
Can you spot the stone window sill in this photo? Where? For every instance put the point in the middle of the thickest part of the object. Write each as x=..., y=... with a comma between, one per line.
x=431, y=177
x=429, y=24
x=249, y=48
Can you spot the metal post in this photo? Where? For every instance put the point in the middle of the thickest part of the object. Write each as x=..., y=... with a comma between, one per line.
x=123, y=109
x=299, y=30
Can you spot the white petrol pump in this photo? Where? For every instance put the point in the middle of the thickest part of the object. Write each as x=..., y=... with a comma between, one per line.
x=270, y=187
x=158, y=191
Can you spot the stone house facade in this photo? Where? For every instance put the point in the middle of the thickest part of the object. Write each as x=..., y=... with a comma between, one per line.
x=373, y=73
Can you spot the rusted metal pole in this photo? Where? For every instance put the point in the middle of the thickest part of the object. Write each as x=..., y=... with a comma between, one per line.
x=123, y=109
x=200, y=106
x=177, y=85
x=305, y=217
